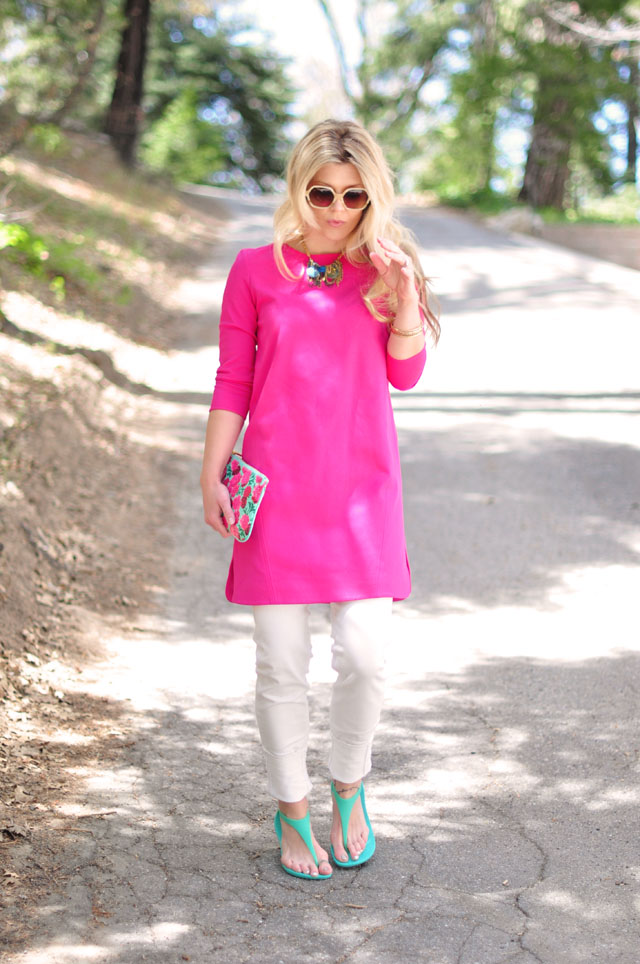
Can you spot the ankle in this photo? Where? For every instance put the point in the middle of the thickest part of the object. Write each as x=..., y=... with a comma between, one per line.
x=346, y=790
x=294, y=811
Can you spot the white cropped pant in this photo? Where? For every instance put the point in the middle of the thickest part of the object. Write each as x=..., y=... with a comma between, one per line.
x=359, y=630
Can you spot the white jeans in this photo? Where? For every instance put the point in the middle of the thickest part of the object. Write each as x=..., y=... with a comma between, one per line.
x=360, y=630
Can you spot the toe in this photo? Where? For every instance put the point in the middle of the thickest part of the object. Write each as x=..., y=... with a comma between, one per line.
x=358, y=845
x=340, y=853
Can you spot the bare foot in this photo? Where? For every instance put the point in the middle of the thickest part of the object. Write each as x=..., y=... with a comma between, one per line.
x=295, y=854
x=357, y=832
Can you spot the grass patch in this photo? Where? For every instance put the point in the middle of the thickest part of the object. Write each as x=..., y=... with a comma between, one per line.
x=485, y=202
x=48, y=140
x=78, y=219
x=56, y=261
x=622, y=207
x=78, y=229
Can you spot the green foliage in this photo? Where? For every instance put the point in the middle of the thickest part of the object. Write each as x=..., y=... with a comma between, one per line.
x=182, y=145
x=484, y=200
x=394, y=72
x=574, y=79
x=217, y=97
x=224, y=91
x=124, y=295
x=238, y=88
x=501, y=66
x=59, y=288
x=87, y=222
x=621, y=206
x=446, y=165
x=48, y=139
x=51, y=259
x=45, y=47
x=458, y=45
x=19, y=238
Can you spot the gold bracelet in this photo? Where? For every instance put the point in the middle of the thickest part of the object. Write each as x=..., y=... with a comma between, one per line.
x=407, y=334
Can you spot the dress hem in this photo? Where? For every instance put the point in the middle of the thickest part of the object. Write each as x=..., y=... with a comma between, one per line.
x=320, y=600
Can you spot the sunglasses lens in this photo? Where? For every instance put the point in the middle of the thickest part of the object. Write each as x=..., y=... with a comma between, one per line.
x=321, y=197
x=356, y=199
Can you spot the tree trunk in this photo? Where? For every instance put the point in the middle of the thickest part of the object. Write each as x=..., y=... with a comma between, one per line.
x=123, y=118
x=547, y=168
x=486, y=42
x=632, y=119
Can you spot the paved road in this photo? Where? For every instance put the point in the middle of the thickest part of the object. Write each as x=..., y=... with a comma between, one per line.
x=505, y=793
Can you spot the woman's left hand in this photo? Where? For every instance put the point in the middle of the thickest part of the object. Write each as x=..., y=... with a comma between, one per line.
x=395, y=267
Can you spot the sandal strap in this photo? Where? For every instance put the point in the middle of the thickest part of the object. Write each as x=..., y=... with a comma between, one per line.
x=344, y=808
x=303, y=826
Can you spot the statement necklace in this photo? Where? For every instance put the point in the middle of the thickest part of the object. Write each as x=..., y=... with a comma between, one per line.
x=330, y=274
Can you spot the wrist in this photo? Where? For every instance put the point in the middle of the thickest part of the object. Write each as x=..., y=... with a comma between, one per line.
x=211, y=477
x=407, y=332
x=409, y=301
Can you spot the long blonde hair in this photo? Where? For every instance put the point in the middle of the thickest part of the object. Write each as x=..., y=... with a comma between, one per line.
x=347, y=142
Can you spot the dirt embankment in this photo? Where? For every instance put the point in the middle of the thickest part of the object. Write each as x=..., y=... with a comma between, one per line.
x=82, y=496
x=619, y=243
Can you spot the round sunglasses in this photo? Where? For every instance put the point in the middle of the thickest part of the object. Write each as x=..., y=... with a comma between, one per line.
x=354, y=198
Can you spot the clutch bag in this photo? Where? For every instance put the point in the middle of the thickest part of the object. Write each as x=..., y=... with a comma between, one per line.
x=246, y=486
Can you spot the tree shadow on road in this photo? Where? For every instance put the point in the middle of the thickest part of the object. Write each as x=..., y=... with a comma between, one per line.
x=503, y=801
x=498, y=518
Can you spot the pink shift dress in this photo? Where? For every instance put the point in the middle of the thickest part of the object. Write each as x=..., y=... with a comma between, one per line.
x=310, y=367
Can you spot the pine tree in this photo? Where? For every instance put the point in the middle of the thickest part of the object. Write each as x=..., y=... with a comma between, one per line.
x=547, y=65
x=240, y=90
x=47, y=57
x=142, y=69
x=574, y=74
x=124, y=115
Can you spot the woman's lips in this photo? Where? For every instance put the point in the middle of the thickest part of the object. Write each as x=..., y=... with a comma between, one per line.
x=335, y=224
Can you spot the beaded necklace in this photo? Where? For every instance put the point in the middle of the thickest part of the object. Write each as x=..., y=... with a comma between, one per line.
x=330, y=274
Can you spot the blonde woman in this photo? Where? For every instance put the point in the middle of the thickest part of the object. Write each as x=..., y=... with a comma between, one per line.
x=313, y=329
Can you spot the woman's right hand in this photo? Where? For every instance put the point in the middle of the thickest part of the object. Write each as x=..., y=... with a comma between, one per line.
x=217, y=507
x=223, y=429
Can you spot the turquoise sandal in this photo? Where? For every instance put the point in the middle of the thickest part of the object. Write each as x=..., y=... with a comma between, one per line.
x=344, y=808
x=303, y=827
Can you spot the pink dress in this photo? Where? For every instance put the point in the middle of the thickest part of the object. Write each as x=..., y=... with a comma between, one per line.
x=310, y=367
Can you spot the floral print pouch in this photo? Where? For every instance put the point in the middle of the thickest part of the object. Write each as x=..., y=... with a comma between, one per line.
x=246, y=487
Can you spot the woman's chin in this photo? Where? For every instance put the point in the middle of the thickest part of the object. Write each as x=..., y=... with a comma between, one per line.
x=329, y=238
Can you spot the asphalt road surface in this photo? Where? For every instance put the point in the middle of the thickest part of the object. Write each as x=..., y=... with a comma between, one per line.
x=505, y=787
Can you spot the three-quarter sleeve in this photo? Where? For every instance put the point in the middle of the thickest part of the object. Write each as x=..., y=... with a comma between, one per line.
x=238, y=324
x=404, y=373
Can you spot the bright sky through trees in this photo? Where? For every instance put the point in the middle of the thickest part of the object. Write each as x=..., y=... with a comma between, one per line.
x=467, y=99
x=299, y=30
